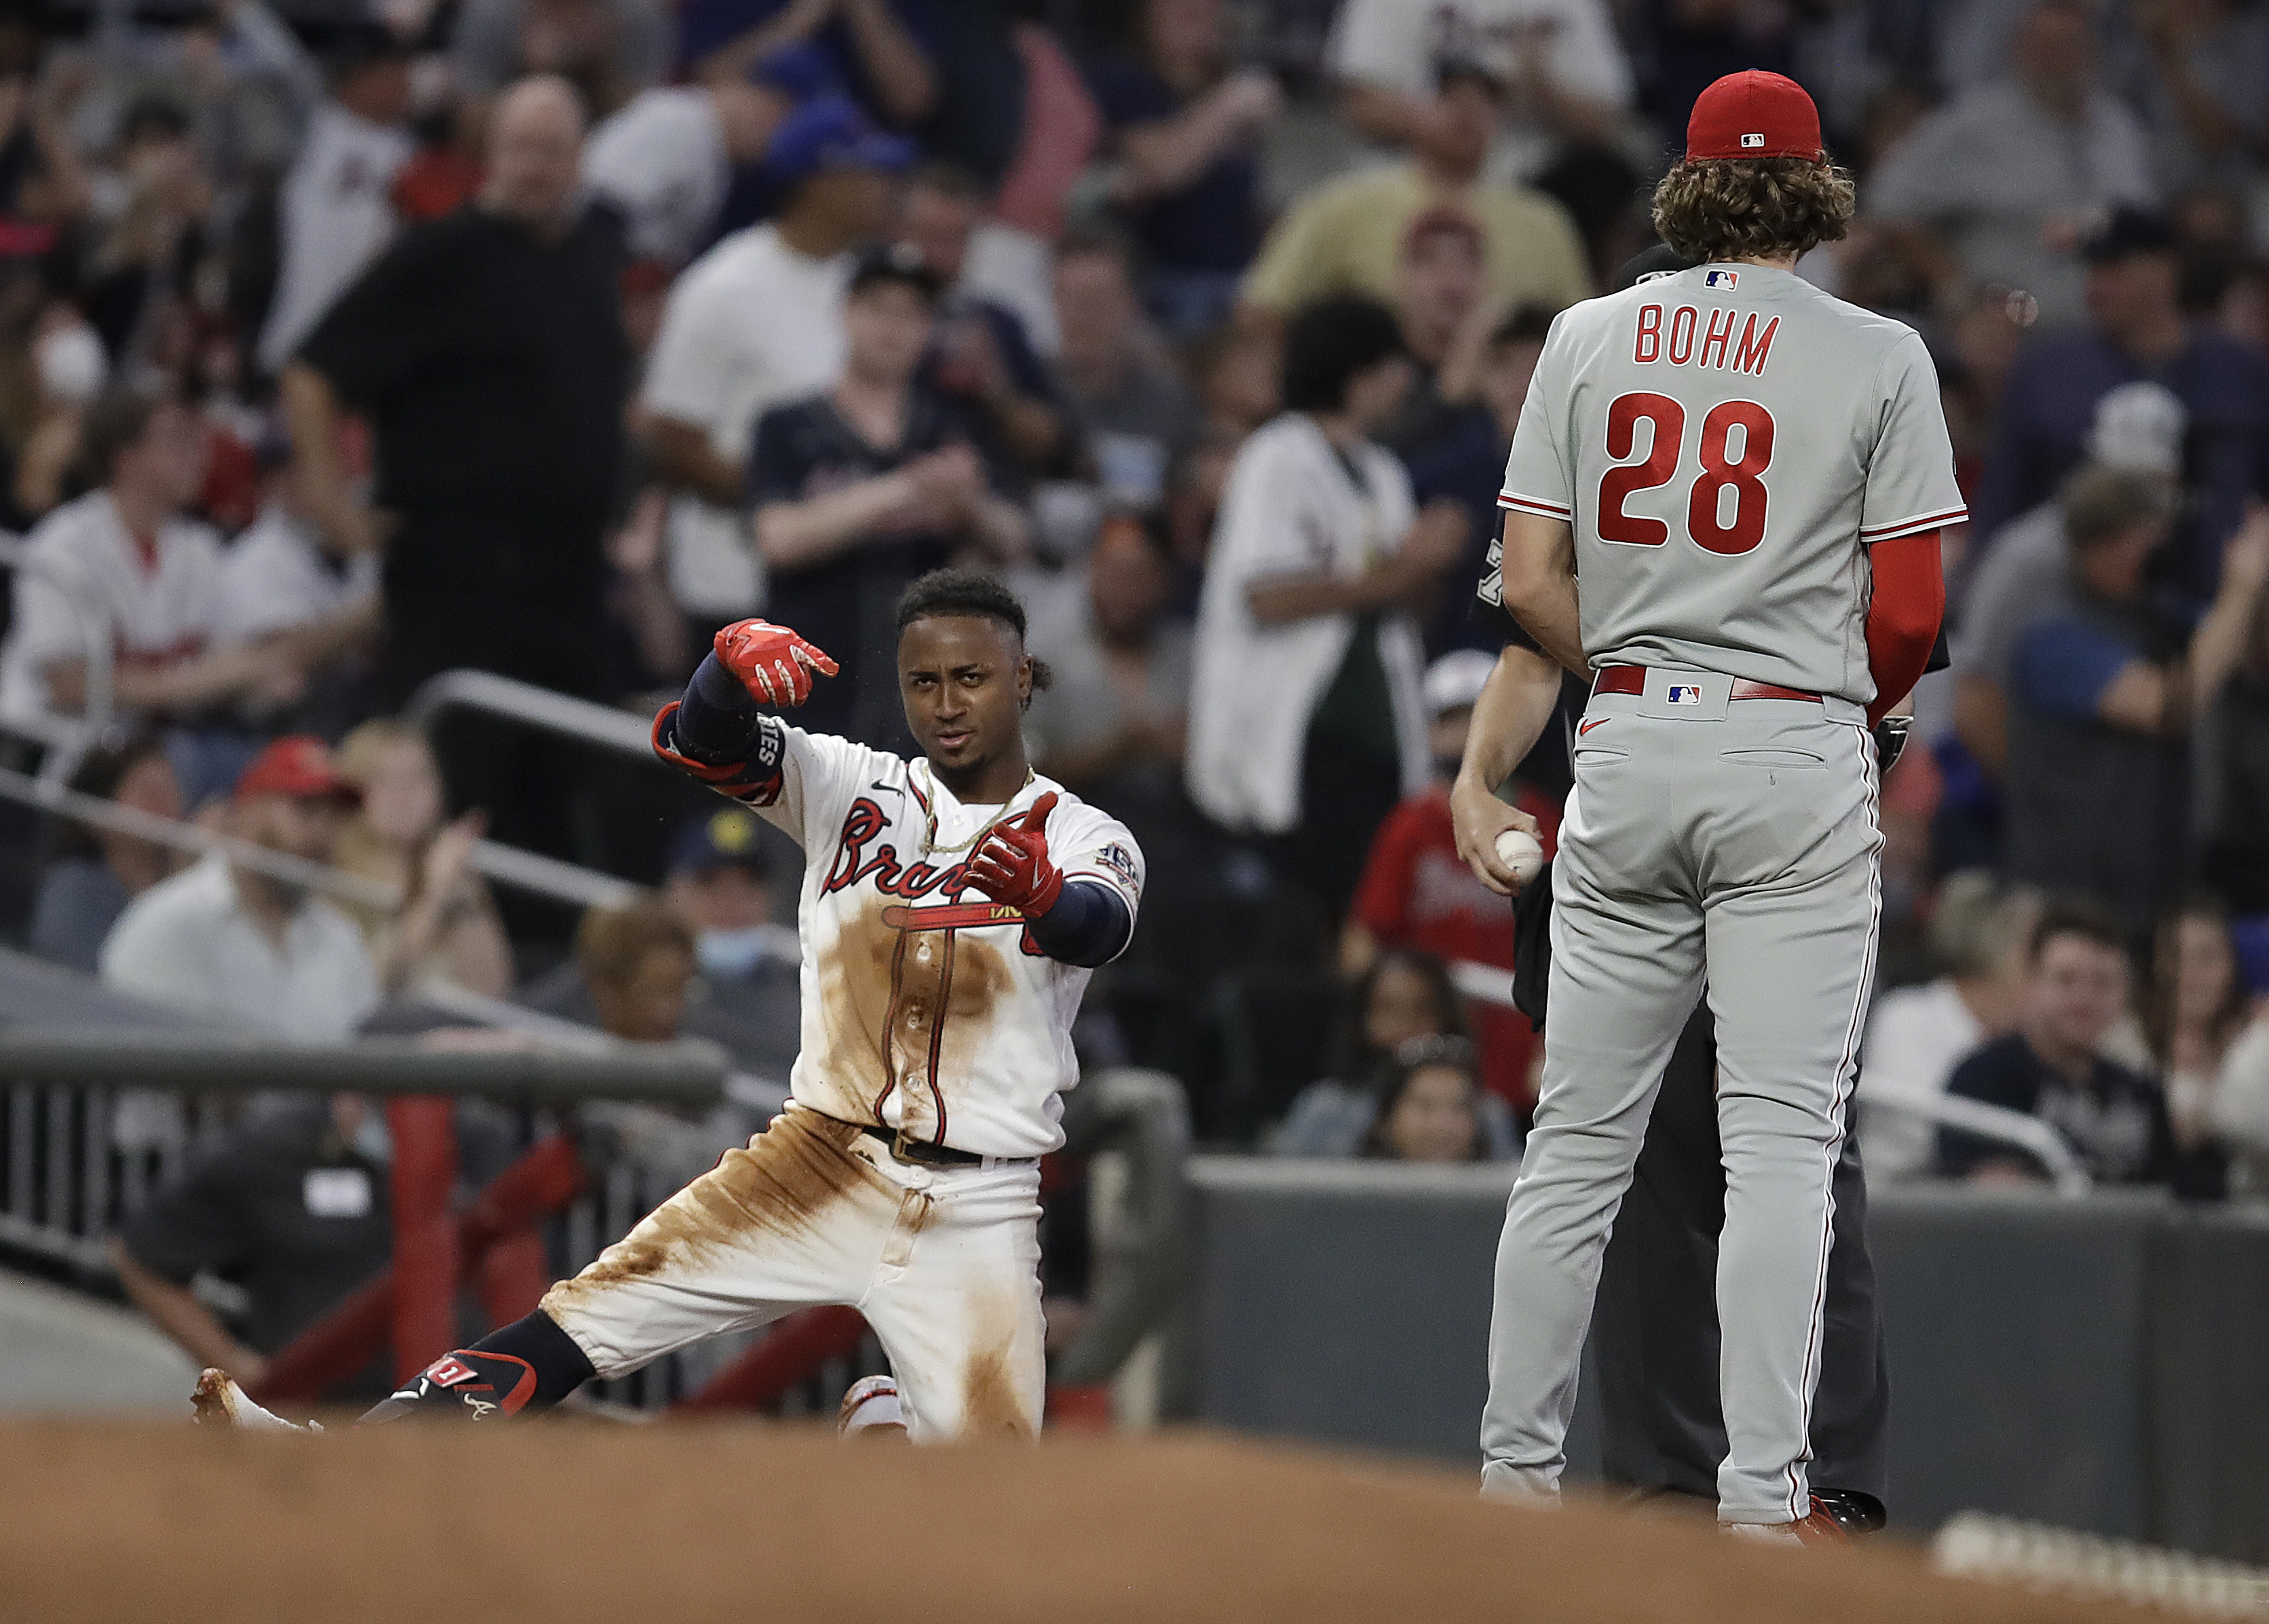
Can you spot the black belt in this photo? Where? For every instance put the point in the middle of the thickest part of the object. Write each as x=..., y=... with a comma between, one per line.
x=921, y=1150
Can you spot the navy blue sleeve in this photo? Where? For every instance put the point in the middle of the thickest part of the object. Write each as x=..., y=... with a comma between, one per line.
x=1089, y=925
x=718, y=721
x=1995, y=1076
x=2063, y=667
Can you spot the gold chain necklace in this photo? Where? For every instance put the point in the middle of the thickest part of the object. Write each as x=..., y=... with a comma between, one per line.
x=931, y=848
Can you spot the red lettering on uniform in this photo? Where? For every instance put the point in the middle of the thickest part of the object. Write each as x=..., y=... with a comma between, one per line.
x=852, y=864
x=1717, y=337
x=1649, y=345
x=1749, y=355
x=1682, y=336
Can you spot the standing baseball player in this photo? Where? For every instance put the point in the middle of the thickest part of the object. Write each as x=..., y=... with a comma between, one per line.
x=1750, y=477
x=953, y=908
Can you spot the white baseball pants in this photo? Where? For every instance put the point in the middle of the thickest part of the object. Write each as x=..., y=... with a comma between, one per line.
x=943, y=1262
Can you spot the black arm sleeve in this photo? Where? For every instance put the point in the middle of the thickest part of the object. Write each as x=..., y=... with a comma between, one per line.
x=1089, y=925
x=717, y=723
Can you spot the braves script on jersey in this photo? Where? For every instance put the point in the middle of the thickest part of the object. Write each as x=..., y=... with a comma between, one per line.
x=924, y=1007
x=1726, y=442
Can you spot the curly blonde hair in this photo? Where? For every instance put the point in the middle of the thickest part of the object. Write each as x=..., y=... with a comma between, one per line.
x=1752, y=208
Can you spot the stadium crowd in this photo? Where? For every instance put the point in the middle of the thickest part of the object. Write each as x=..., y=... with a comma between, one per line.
x=341, y=347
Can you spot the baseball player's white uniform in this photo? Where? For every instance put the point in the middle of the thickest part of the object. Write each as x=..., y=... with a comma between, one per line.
x=1727, y=442
x=926, y=1012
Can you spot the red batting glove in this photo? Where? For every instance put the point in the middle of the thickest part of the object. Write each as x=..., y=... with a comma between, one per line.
x=774, y=663
x=1012, y=867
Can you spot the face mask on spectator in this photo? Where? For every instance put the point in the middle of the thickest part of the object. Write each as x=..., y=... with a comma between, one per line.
x=70, y=365
x=729, y=952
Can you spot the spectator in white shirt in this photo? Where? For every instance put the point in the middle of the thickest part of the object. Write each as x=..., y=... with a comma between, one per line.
x=221, y=939
x=1307, y=722
x=334, y=214
x=667, y=159
x=1918, y=1034
x=122, y=563
x=1565, y=73
x=754, y=322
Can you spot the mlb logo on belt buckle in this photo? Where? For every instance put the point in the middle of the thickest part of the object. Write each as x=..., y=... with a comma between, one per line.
x=1727, y=279
x=1684, y=693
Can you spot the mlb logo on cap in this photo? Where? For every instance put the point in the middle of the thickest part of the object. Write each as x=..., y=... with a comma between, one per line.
x=1756, y=138
x=1726, y=279
x=1684, y=693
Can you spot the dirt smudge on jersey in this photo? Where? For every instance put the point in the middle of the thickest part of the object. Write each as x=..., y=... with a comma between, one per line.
x=889, y=1007
x=779, y=1183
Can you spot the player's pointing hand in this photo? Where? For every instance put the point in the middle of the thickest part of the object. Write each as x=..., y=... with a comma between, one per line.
x=772, y=662
x=1012, y=866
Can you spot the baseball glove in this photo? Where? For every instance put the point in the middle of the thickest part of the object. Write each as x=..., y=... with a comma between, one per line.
x=1891, y=741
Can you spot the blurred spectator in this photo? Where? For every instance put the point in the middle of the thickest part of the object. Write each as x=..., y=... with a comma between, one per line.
x=1402, y=1004
x=95, y=873
x=1562, y=69
x=983, y=356
x=291, y=1205
x=1439, y=290
x=235, y=72
x=445, y=930
x=151, y=203
x=224, y=940
x=2194, y=1007
x=2002, y=185
x=859, y=490
x=668, y=160
x=1347, y=236
x=1111, y=726
x=1182, y=126
x=754, y=323
x=878, y=51
x=2135, y=461
x=1137, y=414
x=2136, y=331
x=1307, y=722
x=609, y=50
x=283, y=582
x=2200, y=81
x=1431, y=1109
x=1463, y=461
x=1918, y=1034
x=2102, y=698
x=123, y=554
x=334, y=214
x=1680, y=47
x=488, y=349
x=749, y=994
x=43, y=175
x=633, y=970
x=1417, y=893
x=67, y=369
x=2113, y=1120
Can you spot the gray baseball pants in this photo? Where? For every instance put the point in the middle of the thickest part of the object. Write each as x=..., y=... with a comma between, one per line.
x=1730, y=843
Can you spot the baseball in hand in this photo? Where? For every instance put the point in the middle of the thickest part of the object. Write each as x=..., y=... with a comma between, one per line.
x=1519, y=850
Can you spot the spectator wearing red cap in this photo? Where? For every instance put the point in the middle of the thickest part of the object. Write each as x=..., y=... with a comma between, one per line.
x=222, y=940
x=1347, y=236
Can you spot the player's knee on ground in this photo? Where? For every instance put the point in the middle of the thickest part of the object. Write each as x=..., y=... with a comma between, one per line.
x=530, y=1365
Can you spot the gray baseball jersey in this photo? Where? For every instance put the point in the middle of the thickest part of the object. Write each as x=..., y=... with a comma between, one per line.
x=1727, y=441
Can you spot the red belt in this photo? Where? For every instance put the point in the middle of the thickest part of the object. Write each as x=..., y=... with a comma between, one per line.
x=1632, y=680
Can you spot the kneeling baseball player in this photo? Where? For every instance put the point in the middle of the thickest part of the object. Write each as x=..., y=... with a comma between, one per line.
x=952, y=911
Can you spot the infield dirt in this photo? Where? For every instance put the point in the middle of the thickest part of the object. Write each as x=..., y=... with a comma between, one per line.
x=567, y=1522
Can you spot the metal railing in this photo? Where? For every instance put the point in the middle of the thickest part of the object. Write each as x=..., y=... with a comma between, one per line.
x=540, y=708
x=1487, y=983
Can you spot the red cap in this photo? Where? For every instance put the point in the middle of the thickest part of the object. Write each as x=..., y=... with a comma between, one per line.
x=298, y=765
x=1753, y=114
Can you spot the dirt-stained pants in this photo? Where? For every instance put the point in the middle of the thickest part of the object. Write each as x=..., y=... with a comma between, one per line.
x=1739, y=838
x=943, y=1262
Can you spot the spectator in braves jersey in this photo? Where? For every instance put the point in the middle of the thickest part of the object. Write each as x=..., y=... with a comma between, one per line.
x=125, y=555
x=952, y=908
